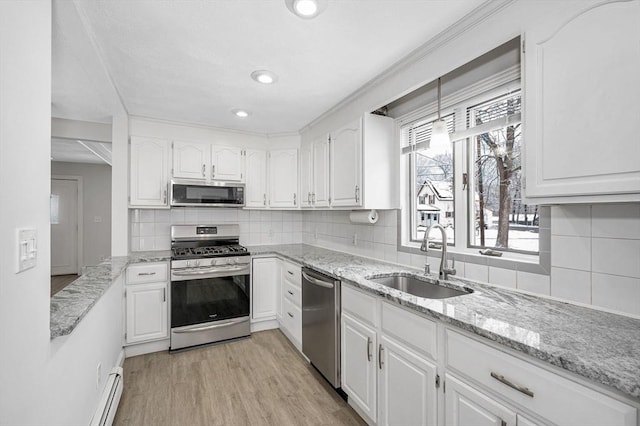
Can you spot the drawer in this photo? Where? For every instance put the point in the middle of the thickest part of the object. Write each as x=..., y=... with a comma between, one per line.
x=553, y=397
x=409, y=328
x=147, y=273
x=292, y=319
x=292, y=293
x=360, y=305
x=292, y=273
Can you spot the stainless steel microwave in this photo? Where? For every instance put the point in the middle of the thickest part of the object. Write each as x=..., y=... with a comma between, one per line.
x=186, y=193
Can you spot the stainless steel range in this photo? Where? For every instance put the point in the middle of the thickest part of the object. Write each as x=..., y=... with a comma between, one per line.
x=210, y=279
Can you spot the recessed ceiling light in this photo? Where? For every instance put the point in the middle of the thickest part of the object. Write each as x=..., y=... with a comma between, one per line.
x=240, y=113
x=306, y=9
x=264, y=76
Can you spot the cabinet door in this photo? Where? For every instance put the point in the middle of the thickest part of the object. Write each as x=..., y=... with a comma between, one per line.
x=407, y=386
x=226, y=163
x=149, y=180
x=146, y=312
x=359, y=368
x=283, y=178
x=346, y=165
x=256, y=179
x=264, y=280
x=190, y=160
x=581, y=103
x=466, y=406
x=306, y=175
x=320, y=192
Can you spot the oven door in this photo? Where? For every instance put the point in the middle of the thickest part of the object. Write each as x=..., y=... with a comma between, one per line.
x=207, y=294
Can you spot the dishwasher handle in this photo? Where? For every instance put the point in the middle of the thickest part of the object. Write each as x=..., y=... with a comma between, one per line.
x=316, y=281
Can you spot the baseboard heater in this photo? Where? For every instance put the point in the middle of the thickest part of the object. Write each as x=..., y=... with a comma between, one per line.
x=106, y=411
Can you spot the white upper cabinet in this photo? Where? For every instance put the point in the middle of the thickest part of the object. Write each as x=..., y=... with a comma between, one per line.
x=306, y=175
x=346, y=158
x=283, y=178
x=581, y=68
x=190, y=160
x=149, y=177
x=364, y=164
x=320, y=192
x=207, y=162
x=227, y=163
x=256, y=179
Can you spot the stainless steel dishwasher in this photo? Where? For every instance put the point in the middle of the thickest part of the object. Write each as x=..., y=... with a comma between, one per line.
x=321, y=323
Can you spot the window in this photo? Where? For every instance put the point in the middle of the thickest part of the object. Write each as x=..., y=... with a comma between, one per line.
x=473, y=188
x=431, y=169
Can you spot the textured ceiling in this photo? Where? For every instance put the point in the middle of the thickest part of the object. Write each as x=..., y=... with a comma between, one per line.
x=190, y=61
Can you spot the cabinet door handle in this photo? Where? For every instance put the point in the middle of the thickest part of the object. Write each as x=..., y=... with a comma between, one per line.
x=380, y=362
x=294, y=198
x=164, y=294
x=164, y=197
x=309, y=197
x=509, y=383
x=290, y=292
x=357, y=194
x=264, y=199
x=290, y=314
x=213, y=171
x=369, y=349
x=289, y=272
x=203, y=169
x=313, y=197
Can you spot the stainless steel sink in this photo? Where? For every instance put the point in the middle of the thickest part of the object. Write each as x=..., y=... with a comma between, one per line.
x=421, y=286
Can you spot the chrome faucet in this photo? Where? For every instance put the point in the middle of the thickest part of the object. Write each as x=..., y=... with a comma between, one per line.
x=444, y=271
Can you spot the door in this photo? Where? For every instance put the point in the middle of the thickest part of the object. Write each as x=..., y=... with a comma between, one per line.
x=64, y=226
x=321, y=173
x=283, y=178
x=466, y=406
x=146, y=312
x=346, y=167
x=226, y=163
x=149, y=172
x=264, y=278
x=306, y=176
x=359, y=364
x=407, y=387
x=190, y=160
x=256, y=179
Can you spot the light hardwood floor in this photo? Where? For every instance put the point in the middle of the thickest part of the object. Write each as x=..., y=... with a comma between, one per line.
x=261, y=380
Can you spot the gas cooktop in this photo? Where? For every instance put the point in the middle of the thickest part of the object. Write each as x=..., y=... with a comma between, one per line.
x=208, y=251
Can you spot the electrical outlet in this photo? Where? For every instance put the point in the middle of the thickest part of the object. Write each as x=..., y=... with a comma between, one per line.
x=98, y=374
x=355, y=239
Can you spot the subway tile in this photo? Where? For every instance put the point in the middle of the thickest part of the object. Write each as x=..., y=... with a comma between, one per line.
x=147, y=216
x=244, y=215
x=616, y=293
x=502, y=277
x=177, y=216
x=134, y=215
x=135, y=244
x=571, y=252
x=404, y=258
x=163, y=230
x=135, y=229
x=190, y=216
x=534, y=283
x=570, y=284
x=390, y=235
x=476, y=272
x=147, y=229
x=572, y=220
x=147, y=243
x=616, y=256
x=162, y=243
x=163, y=216
x=616, y=220
x=390, y=253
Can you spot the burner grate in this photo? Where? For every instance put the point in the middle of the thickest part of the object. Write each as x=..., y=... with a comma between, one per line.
x=210, y=251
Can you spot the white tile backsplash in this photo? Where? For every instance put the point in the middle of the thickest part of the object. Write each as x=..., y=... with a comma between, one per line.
x=616, y=293
x=616, y=257
x=477, y=272
x=502, y=277
x=570, y=284
x=572, y=220
x=571, y=252
x=534, y=283
x=616, y=221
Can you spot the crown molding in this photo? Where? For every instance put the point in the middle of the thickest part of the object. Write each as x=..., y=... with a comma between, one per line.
x=470, y=20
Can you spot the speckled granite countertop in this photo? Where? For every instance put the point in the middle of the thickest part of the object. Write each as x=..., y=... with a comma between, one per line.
x=72, y=303
x=599, y=346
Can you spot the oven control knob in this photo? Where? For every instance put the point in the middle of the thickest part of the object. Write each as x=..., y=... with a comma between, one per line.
x=196, y=263
x=188, y=263
x=212, y=262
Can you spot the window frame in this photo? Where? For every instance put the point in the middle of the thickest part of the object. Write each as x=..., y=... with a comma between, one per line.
x=458, y=103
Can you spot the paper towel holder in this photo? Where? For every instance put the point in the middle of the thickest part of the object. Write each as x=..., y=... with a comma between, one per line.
x=367, y=217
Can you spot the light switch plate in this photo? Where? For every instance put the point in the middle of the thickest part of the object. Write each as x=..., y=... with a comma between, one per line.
x=27, y=255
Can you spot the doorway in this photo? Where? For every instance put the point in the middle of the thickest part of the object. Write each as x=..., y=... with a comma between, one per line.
x=66, y=225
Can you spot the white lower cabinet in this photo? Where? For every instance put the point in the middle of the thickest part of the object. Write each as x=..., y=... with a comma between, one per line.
x=290, y=298
x=146, y=303
x=265, y=276
x=467, y=406
x=388, y=382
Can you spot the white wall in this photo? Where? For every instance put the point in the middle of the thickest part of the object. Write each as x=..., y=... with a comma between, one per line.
x=96, y=202
x=42, y=381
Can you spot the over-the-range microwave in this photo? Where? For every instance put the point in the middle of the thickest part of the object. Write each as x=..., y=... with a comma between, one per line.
x=186, y=193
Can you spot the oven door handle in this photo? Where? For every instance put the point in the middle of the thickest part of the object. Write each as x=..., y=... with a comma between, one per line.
x=211, y=326
x=209, y=271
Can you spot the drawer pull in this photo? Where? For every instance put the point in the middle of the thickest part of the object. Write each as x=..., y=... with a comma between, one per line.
x=369, y=349
x=290, y=292
x=290, y=273
x=290, y=314
x=146, y=273
x=380, y=361
x=505, y=381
